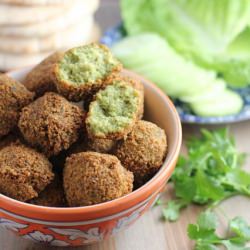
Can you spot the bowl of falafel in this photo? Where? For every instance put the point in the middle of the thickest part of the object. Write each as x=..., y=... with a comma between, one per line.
x=86, y=147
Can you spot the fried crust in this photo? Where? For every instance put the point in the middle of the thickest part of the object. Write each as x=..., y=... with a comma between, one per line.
x=91, y=178
x=143, y=151
x=40, y=79
x=51, y=123
x=101, y=145
x=52, y=195
x=23, y=172
x=13, y=97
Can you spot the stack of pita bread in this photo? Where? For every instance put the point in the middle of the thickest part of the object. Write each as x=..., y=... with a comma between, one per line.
x=30, y=30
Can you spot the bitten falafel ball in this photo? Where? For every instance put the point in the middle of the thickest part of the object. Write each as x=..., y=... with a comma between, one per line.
x=133, y=82
x=40, y=79
x=117, y=78
x=91, y=178
x=23, y=172
x=143, y=151
x=114, y=112
x=13, y=97
x=84, y=70
x=52, y=195
x=51, y=123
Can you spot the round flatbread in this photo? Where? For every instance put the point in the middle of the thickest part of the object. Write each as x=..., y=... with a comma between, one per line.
x=71, y=16
x=36, y=2
x=19, y=15
x=67, y=37
x=14, y=61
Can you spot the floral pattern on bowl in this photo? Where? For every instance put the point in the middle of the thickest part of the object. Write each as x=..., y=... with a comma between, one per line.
x=53, y=235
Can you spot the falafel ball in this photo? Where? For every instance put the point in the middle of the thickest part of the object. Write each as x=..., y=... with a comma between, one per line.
x=12, y=138
x=23, y=172
x=80, y=146
x=143, y=151
x=101, y=145
x=91, y=178
x=96, y=145
x=114, y=112
x=52, y=195
x=135, y=83
x=84, y=70
x=40, y=79
x=51, y=123
x=13, y=97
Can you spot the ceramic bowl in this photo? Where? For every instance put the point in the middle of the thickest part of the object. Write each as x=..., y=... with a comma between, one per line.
x=90, y=224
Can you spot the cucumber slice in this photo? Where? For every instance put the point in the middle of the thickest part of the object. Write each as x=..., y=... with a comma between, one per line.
x=228, y=103
x=175, y=81
x=151, y=56
x=212, y=91
x=134, y=51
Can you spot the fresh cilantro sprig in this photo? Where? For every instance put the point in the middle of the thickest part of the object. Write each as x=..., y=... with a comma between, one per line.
x=211, y=172
x=204, y=233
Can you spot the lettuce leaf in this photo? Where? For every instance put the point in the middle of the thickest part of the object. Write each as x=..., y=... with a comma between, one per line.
x=212, y=33
x=234, y=63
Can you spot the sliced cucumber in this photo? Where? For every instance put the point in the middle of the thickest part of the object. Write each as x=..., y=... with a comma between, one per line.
x=176, y=81
x=228, y=103
x=212, y=91
x=151, y=56
x=134, y=51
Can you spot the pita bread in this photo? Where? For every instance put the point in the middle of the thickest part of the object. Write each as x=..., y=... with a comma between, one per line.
x=67, y=37
x=71, y=16
x=18, y=15
x=36, y=2
x=14, y=61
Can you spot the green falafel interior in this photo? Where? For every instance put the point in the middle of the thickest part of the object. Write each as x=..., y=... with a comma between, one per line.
x=114, y=109
x=87, y=64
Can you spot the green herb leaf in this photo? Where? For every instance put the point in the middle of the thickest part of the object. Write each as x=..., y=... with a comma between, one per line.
x=207, y=221
x=233, y=246
x=204, y=233
x=204, y=229
x=205, y=246
x=239, y=226
x=211, y=171
x=172, y=211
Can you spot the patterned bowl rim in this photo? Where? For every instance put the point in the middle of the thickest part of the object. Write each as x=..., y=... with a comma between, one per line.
x=124, y=202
